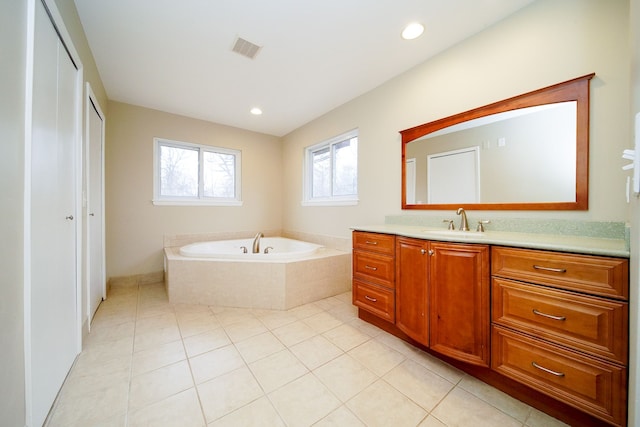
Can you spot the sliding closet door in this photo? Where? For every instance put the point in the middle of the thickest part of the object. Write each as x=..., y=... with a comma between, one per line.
x=53, y=306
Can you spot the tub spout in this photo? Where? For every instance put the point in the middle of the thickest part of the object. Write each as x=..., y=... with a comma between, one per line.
x=256, y=243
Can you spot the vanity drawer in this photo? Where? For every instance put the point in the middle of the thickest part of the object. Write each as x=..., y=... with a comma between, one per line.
x=589, y=324
x=597, y=387
x=375, y=268
x=583, y=273
x=374, y=242
x=377, y=300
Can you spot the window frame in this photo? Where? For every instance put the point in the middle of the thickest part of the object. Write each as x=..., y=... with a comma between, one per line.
x=200, y=200
x=307, y=171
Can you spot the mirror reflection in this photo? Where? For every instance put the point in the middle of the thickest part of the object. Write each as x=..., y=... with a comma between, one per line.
x=527, y=152
x=519, y=156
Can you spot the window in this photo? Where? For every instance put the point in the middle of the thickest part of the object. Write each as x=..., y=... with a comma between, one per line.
x=191, y=174
x=331, y=171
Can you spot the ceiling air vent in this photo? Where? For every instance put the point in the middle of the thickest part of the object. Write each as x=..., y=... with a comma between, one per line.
x=246, y=48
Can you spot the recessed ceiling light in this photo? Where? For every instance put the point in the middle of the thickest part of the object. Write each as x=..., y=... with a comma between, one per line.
x=256, y=111
x=412, y=31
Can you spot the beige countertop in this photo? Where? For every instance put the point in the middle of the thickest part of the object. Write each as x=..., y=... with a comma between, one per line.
x=553, y=242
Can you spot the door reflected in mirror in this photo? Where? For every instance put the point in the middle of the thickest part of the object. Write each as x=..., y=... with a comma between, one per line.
x=527, y=152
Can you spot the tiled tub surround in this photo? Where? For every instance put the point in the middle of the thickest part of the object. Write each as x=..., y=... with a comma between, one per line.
x=275, y=284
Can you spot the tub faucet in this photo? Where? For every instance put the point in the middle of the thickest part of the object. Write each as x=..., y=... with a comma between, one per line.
x=464, y=225
x=256, y=243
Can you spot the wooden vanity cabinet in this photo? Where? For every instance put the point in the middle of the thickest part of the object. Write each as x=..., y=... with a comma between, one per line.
x=459, y=298
x=442, y=297
x=549, y=328
x=412, y=278
x=560, y=326
x=374, y=273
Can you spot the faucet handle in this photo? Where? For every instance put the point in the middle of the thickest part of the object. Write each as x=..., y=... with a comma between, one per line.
x=451, y=226
x=481, y=224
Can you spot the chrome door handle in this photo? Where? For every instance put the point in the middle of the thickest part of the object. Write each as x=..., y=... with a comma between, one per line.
x=549, y=316
x=547, y=370
x=555, y=270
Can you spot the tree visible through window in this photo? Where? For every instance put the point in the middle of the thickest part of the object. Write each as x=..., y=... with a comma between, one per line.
x=331, y=170
x=189, y=172
x=178, y=172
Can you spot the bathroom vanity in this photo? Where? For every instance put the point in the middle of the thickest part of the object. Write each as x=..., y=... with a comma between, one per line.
x=538, y=309
x=541, y=317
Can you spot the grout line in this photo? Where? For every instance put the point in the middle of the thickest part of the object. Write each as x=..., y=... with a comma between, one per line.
x=133, y=349
x=193, y=378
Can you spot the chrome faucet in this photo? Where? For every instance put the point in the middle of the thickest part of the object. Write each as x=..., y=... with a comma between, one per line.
x=256, y=243
x=464, y=225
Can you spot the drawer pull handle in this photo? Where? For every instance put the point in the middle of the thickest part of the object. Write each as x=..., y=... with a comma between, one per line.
x=550, y=316
x=371, y=243
x=555, y=270
x=370, y=298
x=547, y=370
x=371, y=268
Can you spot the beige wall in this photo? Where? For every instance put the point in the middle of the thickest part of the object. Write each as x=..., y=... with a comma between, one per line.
x=545, y=43
x=135, y=227
x=13, y=30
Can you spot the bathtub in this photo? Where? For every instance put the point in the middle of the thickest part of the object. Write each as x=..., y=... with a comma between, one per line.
x=219, y=273
x=271, y=248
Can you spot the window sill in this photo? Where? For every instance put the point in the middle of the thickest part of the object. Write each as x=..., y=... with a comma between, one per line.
x=197, y=202
x=350, y=202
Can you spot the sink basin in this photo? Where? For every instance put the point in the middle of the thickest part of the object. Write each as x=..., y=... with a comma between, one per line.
x=456, y=234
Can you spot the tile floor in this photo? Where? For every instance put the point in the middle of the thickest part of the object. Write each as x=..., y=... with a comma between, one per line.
x=151, y=363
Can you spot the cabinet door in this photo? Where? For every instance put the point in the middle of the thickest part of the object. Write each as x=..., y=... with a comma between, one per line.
x=412, y=261
x=459, y=301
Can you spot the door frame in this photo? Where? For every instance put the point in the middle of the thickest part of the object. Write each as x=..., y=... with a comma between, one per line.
x=91, y=101
x=410, y=181
x=65, y=37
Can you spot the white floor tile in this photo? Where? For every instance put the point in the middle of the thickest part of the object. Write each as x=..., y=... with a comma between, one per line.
x=227, y=393
x=382, y=405
x=277, y=370
x=149, y=362
x=304, y=401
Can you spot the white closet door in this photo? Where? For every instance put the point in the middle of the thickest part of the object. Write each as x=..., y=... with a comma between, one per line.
x=95, y=209
x=410, y=181
x=53, y=308
x=454, y=176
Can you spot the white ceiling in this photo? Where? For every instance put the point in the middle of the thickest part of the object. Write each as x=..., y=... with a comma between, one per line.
x=175, y=55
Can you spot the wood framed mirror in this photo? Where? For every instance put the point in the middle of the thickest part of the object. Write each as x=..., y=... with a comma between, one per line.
x=529, y=152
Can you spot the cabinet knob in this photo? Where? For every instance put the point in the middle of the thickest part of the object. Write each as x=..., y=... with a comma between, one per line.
x=423, y=251
x=431, y=252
